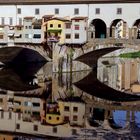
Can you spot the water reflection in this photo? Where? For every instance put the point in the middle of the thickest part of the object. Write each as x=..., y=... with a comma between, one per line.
x=58, y=109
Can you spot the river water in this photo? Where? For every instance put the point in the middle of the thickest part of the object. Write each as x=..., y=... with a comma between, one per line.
x=96, y=105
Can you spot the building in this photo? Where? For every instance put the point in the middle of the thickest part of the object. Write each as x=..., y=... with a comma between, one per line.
x=76, y=31
x=101, y=25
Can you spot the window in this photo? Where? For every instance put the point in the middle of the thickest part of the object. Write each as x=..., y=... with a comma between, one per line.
x=26, y=35
x=76, y=36
x=37, y=11
x=51, y=25
x=97, y=11
x=75, y=109
x=50, y=117
x=74, y=131
x=57, y=118
x=56, y=11
x=20, y=21
x=68, y=36
x=10, y=21
x=35, y=128
x=2, y=20
x=76, y=27
x=66, y=108
x=19, y=11
x=59, y=25
x=75, y=118
x=19, y=116
x=76, y=11
x=37, y=36
x=68, y=25
x=37, y=27
x=119, y=11
x=30, y=27
x=1, y=36
x=17, y=126
x=1, y=100
x=54, y=129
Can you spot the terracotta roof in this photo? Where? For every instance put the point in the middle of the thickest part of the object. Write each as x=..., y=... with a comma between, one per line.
x=47, y=16
x=37, y=22
x=79, y=18
x=59, y=18
x=64, y=1
x=28, y=17
x=19, y=26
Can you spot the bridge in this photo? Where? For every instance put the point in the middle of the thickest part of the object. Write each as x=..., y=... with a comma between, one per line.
x=23, y=54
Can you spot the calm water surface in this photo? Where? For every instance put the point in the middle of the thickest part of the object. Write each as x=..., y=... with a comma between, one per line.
x=36, y=104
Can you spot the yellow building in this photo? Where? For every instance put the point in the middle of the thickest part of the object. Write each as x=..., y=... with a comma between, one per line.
x=56, y=30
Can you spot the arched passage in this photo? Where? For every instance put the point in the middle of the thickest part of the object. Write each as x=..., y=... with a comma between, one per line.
x=136, y=29
x=99, y=28
x=119, y=29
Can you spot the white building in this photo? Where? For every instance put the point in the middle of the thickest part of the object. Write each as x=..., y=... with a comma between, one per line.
x=102, y=15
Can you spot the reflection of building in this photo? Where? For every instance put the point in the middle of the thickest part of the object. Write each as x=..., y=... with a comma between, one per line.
x=121, y=75
x=73, y=110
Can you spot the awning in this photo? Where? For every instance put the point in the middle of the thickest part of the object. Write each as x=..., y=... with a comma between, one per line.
x=10, y=35
x=16, y=35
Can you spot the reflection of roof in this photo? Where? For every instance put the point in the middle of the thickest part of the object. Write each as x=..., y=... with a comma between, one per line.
x=72, y=99
x=79, y=18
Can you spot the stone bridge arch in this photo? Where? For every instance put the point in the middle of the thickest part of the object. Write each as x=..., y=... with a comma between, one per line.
x=119, y=29
x=135, y=30
x=98, y=28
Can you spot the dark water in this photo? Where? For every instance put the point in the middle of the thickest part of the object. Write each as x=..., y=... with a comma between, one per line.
x=36, y=104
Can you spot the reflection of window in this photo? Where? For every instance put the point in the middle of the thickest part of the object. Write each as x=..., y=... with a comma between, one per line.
x=2, y=114
x=75, y=118
x=10, y=115
x=66, y=108
x=54, y=129
x=75, y=109
x=36, y=104
x=66, y=118
x=35, y=128
x=119, y=11
x=74, y=131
